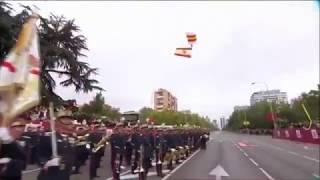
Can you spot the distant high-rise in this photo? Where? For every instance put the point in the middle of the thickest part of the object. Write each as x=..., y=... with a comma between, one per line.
x=223, y=122
x=270, y=96
x=164, y=100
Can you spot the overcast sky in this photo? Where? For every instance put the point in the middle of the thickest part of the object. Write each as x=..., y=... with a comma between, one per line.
x=132, y=44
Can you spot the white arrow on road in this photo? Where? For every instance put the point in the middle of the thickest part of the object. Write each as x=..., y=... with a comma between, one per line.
x=218, y=172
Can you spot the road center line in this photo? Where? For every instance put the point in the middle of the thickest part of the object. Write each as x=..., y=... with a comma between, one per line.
x=265, y=173
x=255, y=163
x=180, y=165
x=312, y=159
x=294, y=153
x=31, y=170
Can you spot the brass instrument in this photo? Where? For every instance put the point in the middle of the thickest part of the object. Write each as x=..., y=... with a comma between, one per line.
x=81, y=140
x=100, y=144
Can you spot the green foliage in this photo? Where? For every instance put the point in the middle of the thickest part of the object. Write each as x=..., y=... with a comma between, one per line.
x=286, y=113
x=61, y=47
x=97, y=108
x=175, y=118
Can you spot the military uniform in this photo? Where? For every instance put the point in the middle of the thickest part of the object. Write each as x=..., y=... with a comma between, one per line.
x=12, y=170
x=128, y=149
x=95, y=157
x=117, y=142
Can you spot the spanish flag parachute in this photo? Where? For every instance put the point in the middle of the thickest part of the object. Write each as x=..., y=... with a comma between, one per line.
x=192, y=38
x=186, y=51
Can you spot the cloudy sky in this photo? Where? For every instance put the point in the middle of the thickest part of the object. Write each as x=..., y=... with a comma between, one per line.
x=132, y=44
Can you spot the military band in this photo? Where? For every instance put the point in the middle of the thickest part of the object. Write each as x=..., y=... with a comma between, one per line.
x=132, y=146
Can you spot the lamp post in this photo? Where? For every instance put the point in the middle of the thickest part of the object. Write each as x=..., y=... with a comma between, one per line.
x=270, y=103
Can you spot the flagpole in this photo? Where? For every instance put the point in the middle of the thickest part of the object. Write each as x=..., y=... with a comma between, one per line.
x=307, y=114
x=53, y=131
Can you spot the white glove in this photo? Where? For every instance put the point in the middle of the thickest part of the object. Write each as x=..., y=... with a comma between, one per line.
x=5, y=136
x=52, y=162
x=4, y=160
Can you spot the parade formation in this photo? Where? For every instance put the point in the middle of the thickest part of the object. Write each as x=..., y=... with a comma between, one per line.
x=132, y=144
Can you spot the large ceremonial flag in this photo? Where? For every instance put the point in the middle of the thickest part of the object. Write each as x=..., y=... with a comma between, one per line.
x=184, y=52
x=19, y=72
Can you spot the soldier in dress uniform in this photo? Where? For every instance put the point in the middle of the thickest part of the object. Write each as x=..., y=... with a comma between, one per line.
x=117, y=142
x=53, y=170
x=81, y=152
x=147, y=143
x=95, y=156
x=32, y=139
x=128, y=146
x=12, y=156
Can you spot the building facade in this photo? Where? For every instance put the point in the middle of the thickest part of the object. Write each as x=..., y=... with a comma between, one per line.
x=275, y=96
x=240, y=108
x=164, y=100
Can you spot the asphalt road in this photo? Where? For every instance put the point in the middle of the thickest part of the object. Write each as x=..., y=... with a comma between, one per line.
x=232, y=157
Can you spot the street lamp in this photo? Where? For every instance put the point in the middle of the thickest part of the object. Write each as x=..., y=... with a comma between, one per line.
x=270, y=103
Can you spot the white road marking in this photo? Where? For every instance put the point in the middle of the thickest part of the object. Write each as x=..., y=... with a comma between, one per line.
x=218, y=172
x=180, y=165
x=294, y=153
x=265, y=173
x=135, y=176
x=312, y=159
x=255, y=163
x=31, y=170
x=245, y=154
x=316, y=175
x=280, y=149
x=238, y=147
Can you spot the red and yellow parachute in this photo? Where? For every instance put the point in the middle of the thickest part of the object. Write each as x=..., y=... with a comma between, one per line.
x=186, y=51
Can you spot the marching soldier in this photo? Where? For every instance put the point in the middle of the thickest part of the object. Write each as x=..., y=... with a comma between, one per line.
x=82, y=152
x=117, y=142
x=128, y=147
x=95, y=156
x=12, y=156
x=137, y=141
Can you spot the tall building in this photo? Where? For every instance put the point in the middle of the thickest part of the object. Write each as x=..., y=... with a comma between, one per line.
x=164, y=100
x=215, y=124
x=240, y=108
x=223, y=122
x=275, y=96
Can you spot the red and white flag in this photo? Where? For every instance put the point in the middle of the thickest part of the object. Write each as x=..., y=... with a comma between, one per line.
x=19, y=72
x=184, y=52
